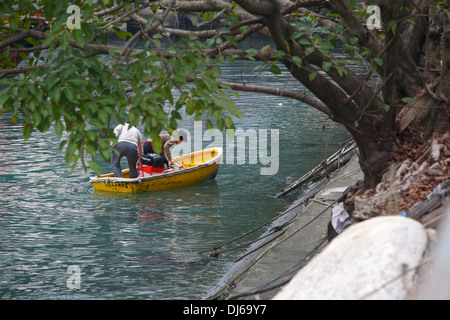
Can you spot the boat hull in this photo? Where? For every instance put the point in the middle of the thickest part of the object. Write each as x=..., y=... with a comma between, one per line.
x=198, y=167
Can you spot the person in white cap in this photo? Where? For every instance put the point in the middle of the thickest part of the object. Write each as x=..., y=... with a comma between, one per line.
x=129, y=138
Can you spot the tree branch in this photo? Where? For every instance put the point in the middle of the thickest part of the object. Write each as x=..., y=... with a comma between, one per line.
x=259, y=7
x=280, y=93
x=191, y=6
x=40, y=35
x=177, y=32
x=108, y=11
x=159, y=21
x=13, y=72
x=23, y=34
x=355, y=27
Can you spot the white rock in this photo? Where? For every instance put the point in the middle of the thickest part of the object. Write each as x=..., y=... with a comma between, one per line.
x=374, y=259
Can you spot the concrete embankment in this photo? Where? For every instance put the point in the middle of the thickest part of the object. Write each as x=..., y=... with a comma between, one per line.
x=391, y=257
x=288, y=244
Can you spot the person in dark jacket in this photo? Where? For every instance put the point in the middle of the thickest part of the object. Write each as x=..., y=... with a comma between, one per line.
x=167, y=142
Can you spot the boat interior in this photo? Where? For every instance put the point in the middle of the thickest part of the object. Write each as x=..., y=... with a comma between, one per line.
x=185, y=161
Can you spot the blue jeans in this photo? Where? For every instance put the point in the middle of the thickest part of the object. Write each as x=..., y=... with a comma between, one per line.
x=130, y=151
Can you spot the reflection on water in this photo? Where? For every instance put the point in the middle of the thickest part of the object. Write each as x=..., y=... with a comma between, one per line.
x=142, y=245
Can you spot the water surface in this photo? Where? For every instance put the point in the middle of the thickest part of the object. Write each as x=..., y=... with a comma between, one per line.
x=144, y=246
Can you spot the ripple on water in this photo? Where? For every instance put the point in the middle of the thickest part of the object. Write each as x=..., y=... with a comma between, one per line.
x=145, y=245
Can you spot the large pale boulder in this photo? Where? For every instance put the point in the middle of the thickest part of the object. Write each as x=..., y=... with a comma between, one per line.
x=374, y=259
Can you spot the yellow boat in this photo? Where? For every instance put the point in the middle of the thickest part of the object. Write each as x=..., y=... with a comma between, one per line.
x=197, y=167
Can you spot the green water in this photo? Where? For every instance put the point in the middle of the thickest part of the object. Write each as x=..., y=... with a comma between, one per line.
x=144, y=246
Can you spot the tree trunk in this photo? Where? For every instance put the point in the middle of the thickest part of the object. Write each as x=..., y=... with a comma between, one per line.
x=373, y=158
x=378, y=131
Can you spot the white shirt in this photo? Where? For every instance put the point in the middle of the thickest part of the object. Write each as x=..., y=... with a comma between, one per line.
x=125, y=133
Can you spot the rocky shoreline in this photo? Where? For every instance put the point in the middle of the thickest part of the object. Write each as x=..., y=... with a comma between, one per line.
x=372, y=254
x=397, y=245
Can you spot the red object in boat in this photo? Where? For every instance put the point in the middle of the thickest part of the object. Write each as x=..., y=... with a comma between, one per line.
x=151, y=169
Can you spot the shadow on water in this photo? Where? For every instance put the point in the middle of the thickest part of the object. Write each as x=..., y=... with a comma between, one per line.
x=154, y=205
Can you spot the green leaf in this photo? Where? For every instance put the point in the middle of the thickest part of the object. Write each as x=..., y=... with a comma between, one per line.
x=392, y=25
x=384, y=105
x=304, y=41
x=297, y=35
x=88, y=31
x=48, y=40
x=209, y=124
x=50, y=9
x=312, y=76
x=232, y=40
x=77, y=36
x=4, y=96
x=8, y=81
x=297, y=61
x=68, y=93
x=373, y=66
x=408, y=100
x=275, y=69
x=90, y=150
x=106, y=100
x=277, y=54
x=229, y=122
x=14, y=21
x=326, y=65
x=250, y=53
x=7, y=51
x=59, y=128
x=220, y=124
x=64, y=41
x=447, y=12
x=182, y=100
x=27, y=129
x=176, y=115
x=95, y=166
x=353, y=40
x=378, y=61
x=122, y=34
x=190, y=107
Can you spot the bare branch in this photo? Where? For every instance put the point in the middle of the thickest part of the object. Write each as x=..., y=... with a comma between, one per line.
x=23, y=34
x=280, y=93
x=30, y=49
x=177, y=32
x=125, y=17
x=238, y=38
x=108, y=11
x=159, y=21
x=259, y=7
x=192, y=6
x=13, y=72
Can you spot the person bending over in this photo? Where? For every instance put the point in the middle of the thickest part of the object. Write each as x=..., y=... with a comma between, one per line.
x=129, y=138
x=167, y=142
